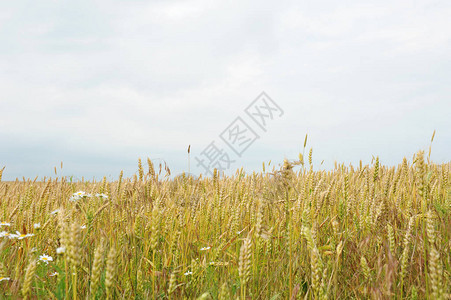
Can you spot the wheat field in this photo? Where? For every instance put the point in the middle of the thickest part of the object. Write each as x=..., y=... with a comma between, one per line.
x=355, y=232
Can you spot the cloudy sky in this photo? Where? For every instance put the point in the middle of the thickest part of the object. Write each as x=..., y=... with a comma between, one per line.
x=98, y=84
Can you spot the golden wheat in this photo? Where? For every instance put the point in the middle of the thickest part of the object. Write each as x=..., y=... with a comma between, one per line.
x=370, y=231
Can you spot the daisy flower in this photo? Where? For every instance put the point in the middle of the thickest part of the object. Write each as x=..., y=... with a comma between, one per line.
x=102, y=196
x=53, y=274
x=45, y=258
x=55, y=211
x=37, y=225
x=4, y=278
x=79, y=195
x=205, y=248
x=60, y=250
x=83, y=227
x=4, y=234
x=5, y=224
x=188, y=273
x=21, y=236
x=8, y=235
x=75, y=198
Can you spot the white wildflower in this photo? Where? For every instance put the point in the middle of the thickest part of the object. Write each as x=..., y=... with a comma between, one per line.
x=102, y=196
x=21, y=236
x=74, y=198
x=45, y=258
x=60, y=250
x=79, y=195
x=55, y=211
x=5, y=234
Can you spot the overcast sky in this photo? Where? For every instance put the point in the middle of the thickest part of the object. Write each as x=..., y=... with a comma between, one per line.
x=98, y=84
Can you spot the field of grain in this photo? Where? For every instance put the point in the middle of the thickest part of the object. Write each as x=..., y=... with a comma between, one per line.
x=356, y=232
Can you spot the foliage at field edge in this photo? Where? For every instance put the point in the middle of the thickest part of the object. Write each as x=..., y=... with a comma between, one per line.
x=370, y=231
